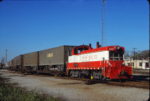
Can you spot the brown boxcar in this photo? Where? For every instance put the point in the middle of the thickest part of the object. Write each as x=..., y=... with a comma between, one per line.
x=54, y=59
x=16, y=63
x=30, y=61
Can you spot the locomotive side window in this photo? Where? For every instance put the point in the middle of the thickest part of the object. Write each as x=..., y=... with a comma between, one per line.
x=116, y=55
x=79, y=50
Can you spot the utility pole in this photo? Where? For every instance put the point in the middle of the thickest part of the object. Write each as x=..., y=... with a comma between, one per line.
x=134, y=53
x=102, y=21
x=135, y=59
x=6, y=57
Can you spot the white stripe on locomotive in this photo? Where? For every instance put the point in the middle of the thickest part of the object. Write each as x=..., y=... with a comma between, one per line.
x=96, y=56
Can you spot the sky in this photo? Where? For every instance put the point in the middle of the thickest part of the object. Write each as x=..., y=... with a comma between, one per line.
x=32, y=25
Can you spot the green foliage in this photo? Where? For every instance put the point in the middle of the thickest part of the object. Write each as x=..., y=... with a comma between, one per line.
x=9, y=92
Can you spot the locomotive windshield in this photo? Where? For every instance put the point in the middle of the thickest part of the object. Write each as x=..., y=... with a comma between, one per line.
x=116, y=55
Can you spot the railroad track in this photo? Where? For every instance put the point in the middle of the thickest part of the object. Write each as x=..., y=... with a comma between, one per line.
x=128, y=83
x=135, y=82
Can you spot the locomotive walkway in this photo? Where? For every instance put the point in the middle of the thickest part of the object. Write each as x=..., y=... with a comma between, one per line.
x=75, y=90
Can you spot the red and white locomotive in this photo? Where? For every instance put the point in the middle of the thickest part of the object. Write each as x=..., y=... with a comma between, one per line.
x=98, y=63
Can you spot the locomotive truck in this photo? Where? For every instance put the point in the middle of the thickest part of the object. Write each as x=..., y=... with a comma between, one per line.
x=76, y=61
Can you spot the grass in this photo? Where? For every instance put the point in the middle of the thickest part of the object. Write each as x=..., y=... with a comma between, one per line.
x=10, y=92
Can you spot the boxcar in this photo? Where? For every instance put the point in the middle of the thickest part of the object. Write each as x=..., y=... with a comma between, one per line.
x=16, y=63
x=30, y=62
x=54, y=60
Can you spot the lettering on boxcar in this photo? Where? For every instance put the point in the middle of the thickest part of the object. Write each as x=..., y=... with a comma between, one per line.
x=49, y=55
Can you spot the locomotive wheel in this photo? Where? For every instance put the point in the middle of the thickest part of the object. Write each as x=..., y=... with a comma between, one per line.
x=97, y=75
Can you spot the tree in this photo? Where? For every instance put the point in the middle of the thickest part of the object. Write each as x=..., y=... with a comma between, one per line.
x=141, y=55
x=126, y=54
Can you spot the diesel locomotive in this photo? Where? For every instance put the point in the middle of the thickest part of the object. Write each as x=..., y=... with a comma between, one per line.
x=76, y=61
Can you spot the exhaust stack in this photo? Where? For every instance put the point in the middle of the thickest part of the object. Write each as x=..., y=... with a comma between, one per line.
x=98, y=45
x=90, y=45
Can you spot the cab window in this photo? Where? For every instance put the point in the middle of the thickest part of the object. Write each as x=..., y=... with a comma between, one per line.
x=116, y=55
x=78, y=51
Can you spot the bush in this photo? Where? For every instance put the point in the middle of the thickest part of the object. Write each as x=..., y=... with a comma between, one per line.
x=9, y=92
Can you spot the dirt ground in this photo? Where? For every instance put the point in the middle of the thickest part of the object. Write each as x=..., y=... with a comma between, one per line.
x=75, y=90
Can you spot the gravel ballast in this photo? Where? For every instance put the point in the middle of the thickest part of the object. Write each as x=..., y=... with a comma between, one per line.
x=75, y=90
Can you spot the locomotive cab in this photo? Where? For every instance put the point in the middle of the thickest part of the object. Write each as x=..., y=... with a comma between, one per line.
x=79, y=49
x=117, y=68
x=116, y=54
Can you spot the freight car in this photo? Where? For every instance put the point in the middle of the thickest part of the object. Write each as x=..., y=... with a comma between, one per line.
x=16, y=63
x=51, y=61
x=76, y=61
x=1, y=65
x=54, y=60
x=30, y=62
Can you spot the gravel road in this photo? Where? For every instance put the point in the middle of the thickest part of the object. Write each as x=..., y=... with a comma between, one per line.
x=75, y=90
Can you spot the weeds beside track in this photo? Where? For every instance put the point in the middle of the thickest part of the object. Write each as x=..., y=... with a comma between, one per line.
x=10, y=92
